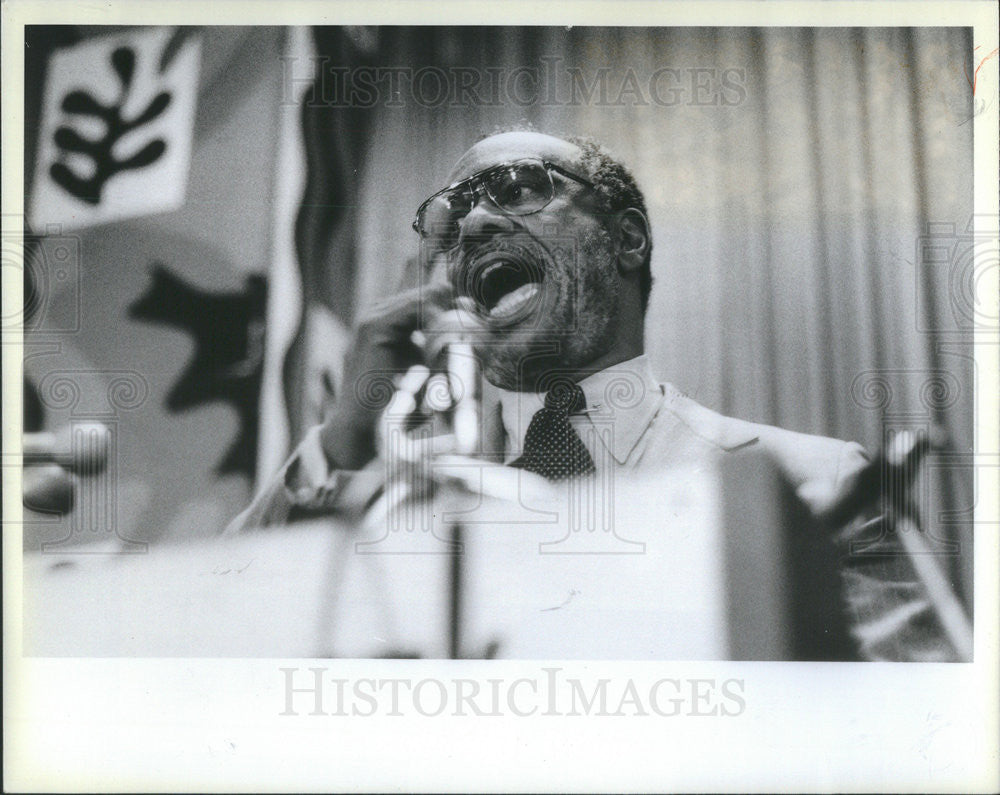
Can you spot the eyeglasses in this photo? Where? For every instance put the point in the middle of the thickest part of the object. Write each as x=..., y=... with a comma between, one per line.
x=521, y=187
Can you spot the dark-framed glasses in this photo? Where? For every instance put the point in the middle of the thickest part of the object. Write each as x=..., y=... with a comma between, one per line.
x=521, y=187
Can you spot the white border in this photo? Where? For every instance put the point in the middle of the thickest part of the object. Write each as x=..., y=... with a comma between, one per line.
x=116, y=725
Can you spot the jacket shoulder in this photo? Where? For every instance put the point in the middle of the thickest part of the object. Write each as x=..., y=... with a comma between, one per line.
x=801, y=456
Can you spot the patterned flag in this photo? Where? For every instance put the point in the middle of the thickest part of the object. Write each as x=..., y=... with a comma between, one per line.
x=116, y=129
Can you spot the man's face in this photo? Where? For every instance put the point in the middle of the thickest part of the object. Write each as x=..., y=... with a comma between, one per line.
x=545, y=284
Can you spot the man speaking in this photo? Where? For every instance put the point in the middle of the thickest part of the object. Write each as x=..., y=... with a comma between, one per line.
x=539, y=254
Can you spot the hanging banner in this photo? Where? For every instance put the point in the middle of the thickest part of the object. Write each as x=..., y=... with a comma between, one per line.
x=117, y=123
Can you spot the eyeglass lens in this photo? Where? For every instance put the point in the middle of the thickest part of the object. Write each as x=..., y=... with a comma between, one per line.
x=519, y=189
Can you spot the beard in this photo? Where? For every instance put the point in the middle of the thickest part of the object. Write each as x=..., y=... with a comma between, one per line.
x=572, y=320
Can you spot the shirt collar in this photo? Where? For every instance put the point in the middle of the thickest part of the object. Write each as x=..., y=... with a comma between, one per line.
x=624, y=396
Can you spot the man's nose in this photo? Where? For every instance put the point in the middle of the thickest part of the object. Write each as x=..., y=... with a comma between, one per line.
x=485, y=218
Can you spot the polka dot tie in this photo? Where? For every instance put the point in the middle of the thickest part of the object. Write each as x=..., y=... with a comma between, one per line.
x=552, y=448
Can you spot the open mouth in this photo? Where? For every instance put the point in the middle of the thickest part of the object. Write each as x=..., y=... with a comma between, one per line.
x=504, y=284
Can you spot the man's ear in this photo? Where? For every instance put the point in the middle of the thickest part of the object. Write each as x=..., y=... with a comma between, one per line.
x=633, y=239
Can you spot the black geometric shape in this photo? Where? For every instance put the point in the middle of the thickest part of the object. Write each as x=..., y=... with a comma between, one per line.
x=228, y=361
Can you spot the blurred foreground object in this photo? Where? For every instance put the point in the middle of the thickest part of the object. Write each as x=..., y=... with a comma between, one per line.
x=888, y=484
x=712, y=563
x=54, y=462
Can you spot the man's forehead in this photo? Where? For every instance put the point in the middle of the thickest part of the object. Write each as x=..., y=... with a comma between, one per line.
x=512, y=146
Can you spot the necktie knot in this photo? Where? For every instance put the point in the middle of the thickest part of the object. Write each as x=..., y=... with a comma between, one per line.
x=565, y=398
x=551, y=447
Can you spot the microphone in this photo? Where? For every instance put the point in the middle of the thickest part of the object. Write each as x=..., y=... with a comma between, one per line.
x=889, y=475
x=463, y=380
x=81, y=447
x=443, y=393
x=55, y=460
x=48, y=488
x=448, y=346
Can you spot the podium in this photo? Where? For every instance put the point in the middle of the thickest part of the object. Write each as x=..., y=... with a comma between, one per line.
x=702, y=563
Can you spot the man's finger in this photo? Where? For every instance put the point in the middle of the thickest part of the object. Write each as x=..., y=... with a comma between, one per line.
x=410, y=310
x=450, y=326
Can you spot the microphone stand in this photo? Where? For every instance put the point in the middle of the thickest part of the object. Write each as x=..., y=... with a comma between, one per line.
x=458, y=360
x=463, y=380
x=904, y=456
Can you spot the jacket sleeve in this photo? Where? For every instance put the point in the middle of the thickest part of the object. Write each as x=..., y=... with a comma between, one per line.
x=305, y=485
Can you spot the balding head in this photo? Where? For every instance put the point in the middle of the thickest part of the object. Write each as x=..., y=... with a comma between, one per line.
x=509, y=146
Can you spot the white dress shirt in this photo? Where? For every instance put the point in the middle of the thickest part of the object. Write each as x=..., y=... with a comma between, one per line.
x=621, y=402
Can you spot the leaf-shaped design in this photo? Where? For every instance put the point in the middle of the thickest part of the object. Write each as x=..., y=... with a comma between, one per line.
x=70, y=140
x=148, y=154
x=82, y=103
x=123, y=61
x=83, y=189
x=154, y=109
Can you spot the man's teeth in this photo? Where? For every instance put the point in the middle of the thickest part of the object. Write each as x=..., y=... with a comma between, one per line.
x=515, y=300
x=494, y=266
